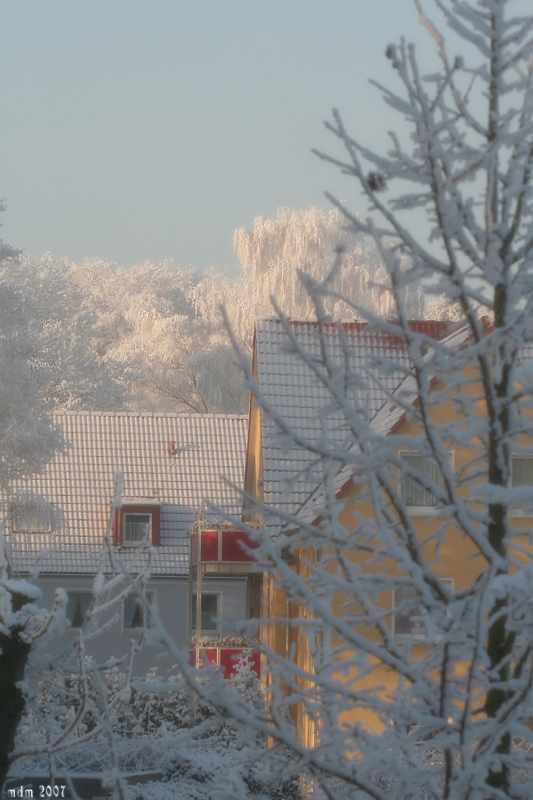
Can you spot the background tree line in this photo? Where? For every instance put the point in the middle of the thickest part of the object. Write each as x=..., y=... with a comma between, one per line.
x=151, y=337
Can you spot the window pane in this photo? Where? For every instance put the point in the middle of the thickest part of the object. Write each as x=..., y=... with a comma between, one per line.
x=77, y=607
x=136, y=527
x=32, y=515
x=522, y=471
x=209, y=612
x=405, y=620
x=408, y=611
x=412, y=492
x=134, y=616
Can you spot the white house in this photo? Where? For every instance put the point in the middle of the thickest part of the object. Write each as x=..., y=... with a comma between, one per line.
x=172, y=464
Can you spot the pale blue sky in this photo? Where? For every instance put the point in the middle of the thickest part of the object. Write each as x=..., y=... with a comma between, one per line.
x=151, y=129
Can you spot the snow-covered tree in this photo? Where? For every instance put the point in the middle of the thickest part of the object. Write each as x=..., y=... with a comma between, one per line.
x=151, y=337
x=274, y=253
x=67, y=338
x=27, y=439
x=111, y=338
x=454, y=720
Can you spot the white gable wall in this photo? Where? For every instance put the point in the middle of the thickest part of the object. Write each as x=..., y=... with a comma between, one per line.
x=171, y=595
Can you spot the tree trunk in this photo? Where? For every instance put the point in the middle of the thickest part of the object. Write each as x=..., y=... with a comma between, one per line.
x=13, y=656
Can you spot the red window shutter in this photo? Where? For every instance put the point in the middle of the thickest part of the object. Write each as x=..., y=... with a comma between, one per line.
x=231, y=546
x=156, y=524
x=209, y=546
x=115, y=529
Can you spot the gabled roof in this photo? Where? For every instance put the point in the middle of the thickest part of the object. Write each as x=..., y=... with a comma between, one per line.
x=290, y=474
x=78, y=484
x=386, y=421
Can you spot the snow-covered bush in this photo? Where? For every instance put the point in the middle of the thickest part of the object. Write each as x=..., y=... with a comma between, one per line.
x=166, y=710
x=175, y=733
x=97, y=691
x=220, y=760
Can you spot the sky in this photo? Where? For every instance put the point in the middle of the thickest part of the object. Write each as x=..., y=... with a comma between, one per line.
x=138, y=130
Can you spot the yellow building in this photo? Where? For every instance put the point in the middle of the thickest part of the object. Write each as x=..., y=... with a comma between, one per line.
x=292, y=489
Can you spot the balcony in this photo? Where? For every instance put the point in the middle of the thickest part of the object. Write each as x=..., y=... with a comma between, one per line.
x=223, y=551
x=225, y=659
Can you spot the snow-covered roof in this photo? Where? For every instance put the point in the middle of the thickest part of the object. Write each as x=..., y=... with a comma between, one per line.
x=386, y=421
x=288, y=384
x=76, y=488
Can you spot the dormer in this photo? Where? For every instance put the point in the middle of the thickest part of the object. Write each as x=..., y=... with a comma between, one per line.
x=138, y=520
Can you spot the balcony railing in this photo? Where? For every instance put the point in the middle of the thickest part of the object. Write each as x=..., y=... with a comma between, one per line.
x=223, y=547
x=225, y=659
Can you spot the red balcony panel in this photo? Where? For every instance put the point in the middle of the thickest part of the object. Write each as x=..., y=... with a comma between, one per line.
x=230, y=656
x=209, y=546
x=231, y=546
x=228, y=660
x=208, y=655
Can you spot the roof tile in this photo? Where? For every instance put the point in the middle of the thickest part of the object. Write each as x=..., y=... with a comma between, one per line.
x=79, y=482
x=290, y=474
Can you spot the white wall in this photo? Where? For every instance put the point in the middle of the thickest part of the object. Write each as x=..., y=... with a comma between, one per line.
x=232, y=607
x=171, y=596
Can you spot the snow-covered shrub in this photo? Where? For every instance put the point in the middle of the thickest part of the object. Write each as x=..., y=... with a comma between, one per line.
x=168, y=710
x=246, y=683
x=218, y=759
x=156, y=728
x=58, y=701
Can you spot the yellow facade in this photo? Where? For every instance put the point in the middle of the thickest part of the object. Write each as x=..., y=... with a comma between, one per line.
x=456, y=559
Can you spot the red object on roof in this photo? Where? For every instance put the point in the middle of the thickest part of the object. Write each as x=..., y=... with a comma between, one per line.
x=437, y=329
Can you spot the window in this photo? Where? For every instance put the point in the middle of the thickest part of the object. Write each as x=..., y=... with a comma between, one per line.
x=135, y=616
x=138, y=521
x=412, y=492
x=209, y=612
x=137, y=527
x=33, y=514
x=522, y=475
x=407, y=620
x=77, y=606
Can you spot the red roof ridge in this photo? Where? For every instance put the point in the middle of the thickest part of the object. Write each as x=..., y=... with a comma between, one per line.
x=436, y=329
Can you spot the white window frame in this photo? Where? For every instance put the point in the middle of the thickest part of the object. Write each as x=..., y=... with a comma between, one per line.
x=218, y=615
x=516, y=511
x=133, y=597
x=419, y=511
x=420, y=637
x=71, y=593
x=135, y=542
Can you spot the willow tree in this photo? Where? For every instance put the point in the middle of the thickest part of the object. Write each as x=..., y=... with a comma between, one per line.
x=273, y=254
